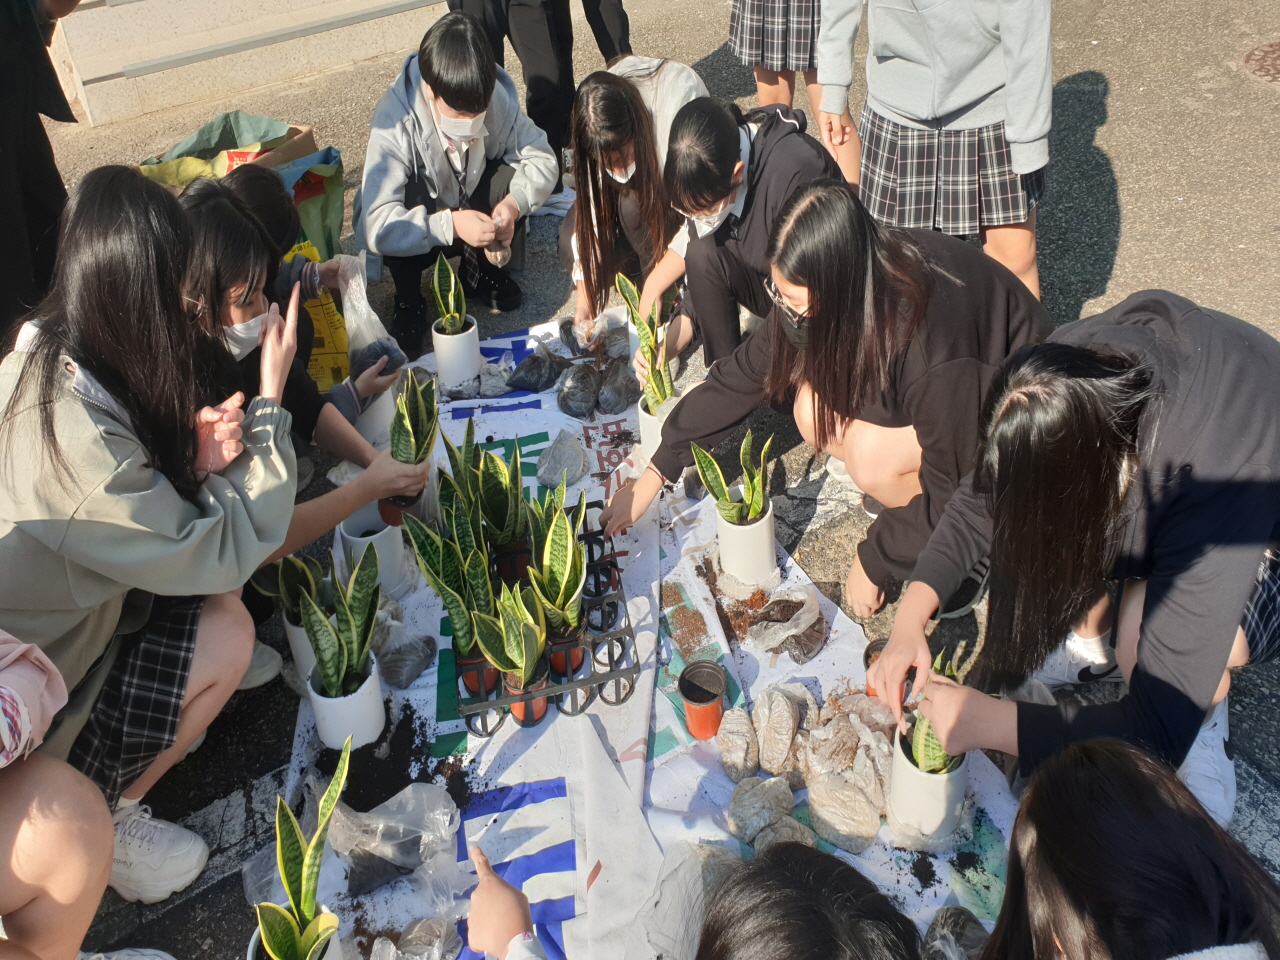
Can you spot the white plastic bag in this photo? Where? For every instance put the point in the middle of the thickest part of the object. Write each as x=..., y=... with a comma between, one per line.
x=363, y=325
x=801, y=636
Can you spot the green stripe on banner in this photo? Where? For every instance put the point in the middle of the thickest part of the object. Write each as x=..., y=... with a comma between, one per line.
x=527, y=445
x=661, y=743
x=449, y=745
x=447, y=688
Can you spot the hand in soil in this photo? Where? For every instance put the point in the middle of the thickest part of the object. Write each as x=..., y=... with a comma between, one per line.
x=499, y=912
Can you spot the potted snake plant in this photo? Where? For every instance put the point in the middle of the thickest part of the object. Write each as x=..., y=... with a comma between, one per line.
x=455, y=337
x=744, y=522
x=502, y=507
x=658, y=386
x=301, y=929
x=514, y=641
x=557, y=576
x=345, y=689
x=288, y=579
x=414, y=429
x=927, y=786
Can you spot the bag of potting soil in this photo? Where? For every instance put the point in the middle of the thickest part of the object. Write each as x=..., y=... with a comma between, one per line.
x=363, y=326
x=329, y=363
x=539, y=371
x=739, y=748
x=792, y=623
x=401, y=656
x=564, y=458
x=579, y=390
x=620, y=388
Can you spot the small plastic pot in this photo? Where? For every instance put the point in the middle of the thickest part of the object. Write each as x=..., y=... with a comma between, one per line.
x=650, y=435
x=567, y=653
x=360, y=715
x=332, y=950
x=702, y=687
x=929, y=803
x=747, y=551
x=470, y=678
x=870, y=656
x=528, y=713
x=457, y=355
x=511, y=561
x=392, y=515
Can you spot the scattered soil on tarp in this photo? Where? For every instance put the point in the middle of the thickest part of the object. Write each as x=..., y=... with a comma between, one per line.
x=623, y=438
x=966, y=860
x=779, y=611
x=457, y=780
x=364, y=936
x=379, y=770
x=706, y=570
x=688, y=630
x=922, y=869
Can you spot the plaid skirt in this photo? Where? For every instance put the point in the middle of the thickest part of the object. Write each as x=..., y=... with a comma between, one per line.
x=1261, y=622
x=777, y=34
x=135, y=717
x=955, y=181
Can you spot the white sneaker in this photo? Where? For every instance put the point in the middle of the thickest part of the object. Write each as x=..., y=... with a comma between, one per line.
x=153, y=858
x=136, y=953
x=1080, y=660
x=263, y=668
x=1208, y=772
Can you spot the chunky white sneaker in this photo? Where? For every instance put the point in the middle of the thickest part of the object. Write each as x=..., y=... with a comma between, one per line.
x=153, y=858
x=136, y=953
x=1080, y=660
x=1208, y=772
x=263, y=668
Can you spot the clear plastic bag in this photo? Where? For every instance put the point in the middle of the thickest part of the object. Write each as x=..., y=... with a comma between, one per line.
x=363, y=326
x=493, y=376
x=401, y=656
x=670, y=922
x=784, y=830
x=434, y=938
x=755, y=804
x=801, y=636
x=776, y=718
x=739, y=747
x=565, y=457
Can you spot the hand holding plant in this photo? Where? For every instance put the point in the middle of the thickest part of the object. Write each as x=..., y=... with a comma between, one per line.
x=658, y=386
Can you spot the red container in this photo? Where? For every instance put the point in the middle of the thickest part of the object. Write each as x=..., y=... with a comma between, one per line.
x=391, y=515
x=470, y=678
x=511, y=561
x=702, y=686
x=528, y=713
x=567, y=653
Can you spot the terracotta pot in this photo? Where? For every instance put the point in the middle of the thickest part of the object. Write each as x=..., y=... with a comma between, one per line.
x=457, y=355
x=702, y=687
x=929, y=803
x=391, y=515
x=332, y=950
x=511, y=561
x=528, y=713
x=567, y=653
x=471, y=680
x=747, y=551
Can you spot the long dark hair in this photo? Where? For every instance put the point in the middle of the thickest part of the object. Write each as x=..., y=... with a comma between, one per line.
x=868, y=289
x=1112, y=857
x=703, y=148
x=117, y=309
x=608, y=114
x=1058, y=446
x=263, y=194
x=794, y=903
x=230, y=248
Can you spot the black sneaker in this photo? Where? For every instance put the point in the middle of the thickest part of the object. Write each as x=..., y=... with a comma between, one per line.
x=494, y=288
x=410, y=327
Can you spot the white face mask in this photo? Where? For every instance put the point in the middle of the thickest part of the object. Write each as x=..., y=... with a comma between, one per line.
x=242, y=338
x=461, y=129
x=624, y=177
x=710, y=224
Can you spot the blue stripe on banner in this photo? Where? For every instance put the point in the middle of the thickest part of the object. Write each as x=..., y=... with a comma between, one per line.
x=517, y=795
x=559, y=858
x=549, y=934
x=552, y=911
x=466, y=413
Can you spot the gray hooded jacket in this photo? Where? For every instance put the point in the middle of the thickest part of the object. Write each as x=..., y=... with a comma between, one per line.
x=405, y=143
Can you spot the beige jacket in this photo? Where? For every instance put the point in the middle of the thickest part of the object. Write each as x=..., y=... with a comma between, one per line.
x=79, y=558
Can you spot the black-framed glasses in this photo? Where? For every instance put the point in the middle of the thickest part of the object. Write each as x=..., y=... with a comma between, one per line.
x=789, y=313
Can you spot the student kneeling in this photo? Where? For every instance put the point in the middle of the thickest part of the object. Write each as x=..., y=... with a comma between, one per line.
x=452, y=165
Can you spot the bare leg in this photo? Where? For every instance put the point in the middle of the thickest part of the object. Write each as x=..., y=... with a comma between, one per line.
x=1015, y=247
x=224, y=647
x=1098, y=620
x=55, y=857
x=775, y=86
x=848, y=154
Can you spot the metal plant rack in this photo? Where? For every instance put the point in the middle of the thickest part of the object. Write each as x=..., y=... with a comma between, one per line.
x=609, y=668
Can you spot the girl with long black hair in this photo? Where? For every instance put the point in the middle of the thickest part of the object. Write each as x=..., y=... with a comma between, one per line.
x=1125, y=455
x=882, y=341
x=131, y=511
x=622, y=219
x=1112, y=857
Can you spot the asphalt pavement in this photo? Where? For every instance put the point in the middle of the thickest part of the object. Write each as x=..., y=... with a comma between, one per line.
x=1162, y=174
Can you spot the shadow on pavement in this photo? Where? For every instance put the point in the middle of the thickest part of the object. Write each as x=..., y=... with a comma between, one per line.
x=725, y=75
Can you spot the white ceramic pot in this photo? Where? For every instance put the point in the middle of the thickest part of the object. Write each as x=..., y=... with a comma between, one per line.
x=929, y=803
x=375, y=423
x=358, y=715
x=650, y=436
x=747, y=552
x=350, y=544
x=332, y=950
x=457, y=355
x=304, y=657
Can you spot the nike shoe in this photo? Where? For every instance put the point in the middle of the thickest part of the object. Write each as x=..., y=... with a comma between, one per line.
x=1209, y=771
x=494, y=288
x=135, y=953
x=972, y=589
x=153, y=858
x=1080, y=660
x=263, y=668
x=871, y=506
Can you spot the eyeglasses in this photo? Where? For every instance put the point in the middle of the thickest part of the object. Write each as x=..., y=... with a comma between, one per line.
x=789, y=313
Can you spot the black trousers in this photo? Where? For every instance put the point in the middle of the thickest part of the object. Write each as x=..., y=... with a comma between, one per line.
x=493, y=185
x=31, y=200
x=542, y=38
x=609, y=24
x=717, y=281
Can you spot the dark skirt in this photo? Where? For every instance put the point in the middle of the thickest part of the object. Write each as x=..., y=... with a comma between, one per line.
x=135, y=717
x=955, y=181
x=1261, y=623
x=777, y=34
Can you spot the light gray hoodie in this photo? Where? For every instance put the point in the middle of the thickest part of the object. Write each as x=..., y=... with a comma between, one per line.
x=948, y=64
x=404, y=139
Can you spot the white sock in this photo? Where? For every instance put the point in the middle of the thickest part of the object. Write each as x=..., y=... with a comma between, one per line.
x=124, y=803
x=1098, y=646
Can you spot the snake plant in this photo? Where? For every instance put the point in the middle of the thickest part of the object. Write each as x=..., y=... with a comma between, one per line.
x=755, y=482
x=342, y=648
x=301, y=931
x=501, y=488
x=653, y=344
x=291, y=578
x=456, y=567
x=558, y=570
x=513, y=641
x=464, y=481
x=450, y=300
x=925, y=747
x=416, y=421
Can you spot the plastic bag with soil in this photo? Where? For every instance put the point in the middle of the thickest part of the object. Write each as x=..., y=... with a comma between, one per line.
x=739, y=749
x=873, y=712
x=776, y=718
x=617, y=344
x=539, y=371
x=755, y=804
x=432, y=939
x=394, y=838
x=791, y=623
x=619, y=389
x=565, y=457
x=842, y=813
x=364, y=358
x=669, y=923
x=954, y=934
x=785, y=830
x=401, y=656
x=831, y=749
x=579, y=390
x=493, y=376
x=802, y=696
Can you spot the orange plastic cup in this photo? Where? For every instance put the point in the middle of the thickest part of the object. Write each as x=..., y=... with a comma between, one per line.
x=702, y=687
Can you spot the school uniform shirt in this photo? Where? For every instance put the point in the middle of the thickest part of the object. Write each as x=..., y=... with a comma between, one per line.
x=978, y=313
x=1196, y=518
x=406, y=145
